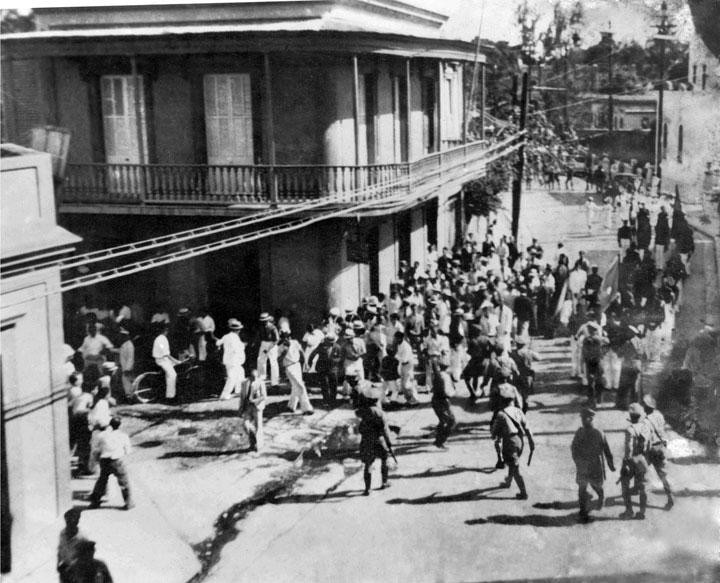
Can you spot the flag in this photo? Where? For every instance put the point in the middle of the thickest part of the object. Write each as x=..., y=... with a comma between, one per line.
x=561, y=297
x=609, y=286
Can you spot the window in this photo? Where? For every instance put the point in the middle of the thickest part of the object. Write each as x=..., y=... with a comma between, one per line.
x=120, y=124
x=694, y=74
x=228, y=119
x=370, y=101
x=664, y=140
x=704, y=76
x=399, y=104
x=680, y=145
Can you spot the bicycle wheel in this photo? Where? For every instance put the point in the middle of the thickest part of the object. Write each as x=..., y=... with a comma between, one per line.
x=146, y=387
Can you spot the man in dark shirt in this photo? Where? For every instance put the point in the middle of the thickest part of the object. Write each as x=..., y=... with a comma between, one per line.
x=589, y=451
x=593, y=285
x=442, y=389
x=624, y=235
x=509, y=427
x=269, y=338
x=374, y=438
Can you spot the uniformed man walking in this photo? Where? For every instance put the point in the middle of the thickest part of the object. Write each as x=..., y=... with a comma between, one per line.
x=374, y=436
x=442, y=389
x=510, y=428
x=635, y=464
x=589, y=450
x=656, y=454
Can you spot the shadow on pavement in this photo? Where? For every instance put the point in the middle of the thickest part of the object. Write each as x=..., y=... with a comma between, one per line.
x=203, y=453
x=469, y=496
x=694, y=459
x=700, y=574
x=536, y=520
x=686, y=493
x=446, y=472
x=315, y=498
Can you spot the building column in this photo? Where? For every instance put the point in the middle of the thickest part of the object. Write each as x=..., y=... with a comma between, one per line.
x=346, y=282
x=388, y=255
x=418, y=236
x=339, y=138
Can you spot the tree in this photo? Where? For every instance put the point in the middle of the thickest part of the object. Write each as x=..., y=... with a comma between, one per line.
x=482, y=195
x=13, y=21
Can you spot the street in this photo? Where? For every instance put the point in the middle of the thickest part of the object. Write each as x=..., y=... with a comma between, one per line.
x=446, y=519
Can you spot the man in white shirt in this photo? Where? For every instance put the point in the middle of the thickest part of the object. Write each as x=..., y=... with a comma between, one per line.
x=292, y=355
x=93, y=346
x=163, y=358
x=406, y=358
x=111, y=447
x=576, y=282
x=233, y=358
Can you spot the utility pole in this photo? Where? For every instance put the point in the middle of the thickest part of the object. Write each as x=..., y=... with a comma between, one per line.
x=607, y=38
x=664, y=28
x=520, y=163
x=566, y=116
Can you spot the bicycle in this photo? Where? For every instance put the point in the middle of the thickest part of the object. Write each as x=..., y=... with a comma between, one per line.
x=149, y=386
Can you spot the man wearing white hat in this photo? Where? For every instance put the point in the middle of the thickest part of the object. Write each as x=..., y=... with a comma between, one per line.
x=269, y=338
x=233, y=359
x=292, y=355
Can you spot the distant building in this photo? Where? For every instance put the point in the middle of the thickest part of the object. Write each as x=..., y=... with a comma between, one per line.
x=690, y=134
x=35, y=458
x=630, y=112
x=186, y=115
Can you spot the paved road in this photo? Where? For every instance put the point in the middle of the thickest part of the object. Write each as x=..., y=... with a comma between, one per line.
x=445, y=519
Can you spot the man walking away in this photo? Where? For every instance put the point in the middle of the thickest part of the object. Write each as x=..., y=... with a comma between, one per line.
x=233, y=359
x=442, y=389
x=112, y=446
x=88, y=569
x=509, y=428
x=589, y=451
x=292, y=356
x=656, y=454
x=374, y=438
x=592, y=356
x=635, y=464
x=329, y=357
x=252, y=403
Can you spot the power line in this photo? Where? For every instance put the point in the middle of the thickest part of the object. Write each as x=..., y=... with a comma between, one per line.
x=396, y=202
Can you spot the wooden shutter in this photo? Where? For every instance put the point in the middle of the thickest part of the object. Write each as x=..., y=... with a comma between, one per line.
x=228, y=119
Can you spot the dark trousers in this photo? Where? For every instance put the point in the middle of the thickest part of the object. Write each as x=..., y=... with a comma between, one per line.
x=328, y=381
x=594, y=371
x=446, y=418
x=110, y=467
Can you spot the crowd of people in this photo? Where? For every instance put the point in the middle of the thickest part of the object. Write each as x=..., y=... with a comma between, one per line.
x=462, y=324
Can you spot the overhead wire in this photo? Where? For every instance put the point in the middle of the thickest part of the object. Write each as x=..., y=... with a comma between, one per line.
x=503, y=148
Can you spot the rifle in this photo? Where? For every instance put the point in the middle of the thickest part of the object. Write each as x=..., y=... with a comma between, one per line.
x=532, y=451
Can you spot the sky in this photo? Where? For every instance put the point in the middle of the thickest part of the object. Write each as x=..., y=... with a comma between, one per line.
x=628, y=19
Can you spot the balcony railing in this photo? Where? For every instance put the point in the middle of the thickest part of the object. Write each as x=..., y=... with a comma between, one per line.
x=175, y=184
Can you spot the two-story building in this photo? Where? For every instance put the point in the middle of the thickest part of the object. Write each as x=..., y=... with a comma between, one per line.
x=347, y=112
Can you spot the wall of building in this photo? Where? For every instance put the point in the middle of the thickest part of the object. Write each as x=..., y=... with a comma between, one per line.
x=36, y=460
x=697, y=113
x=388, y=258
x=346, y=282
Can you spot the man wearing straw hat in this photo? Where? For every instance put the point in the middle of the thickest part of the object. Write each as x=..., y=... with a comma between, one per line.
x=233, y=359
x=269, y=338
x=292, y=356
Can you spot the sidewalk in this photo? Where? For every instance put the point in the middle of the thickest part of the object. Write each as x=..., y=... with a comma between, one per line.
x=192, y=475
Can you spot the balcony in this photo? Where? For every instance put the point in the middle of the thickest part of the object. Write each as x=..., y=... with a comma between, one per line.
x=153, y=187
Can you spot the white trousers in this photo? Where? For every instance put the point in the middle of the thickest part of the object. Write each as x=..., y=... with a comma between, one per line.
x=170, y=377
x=269, y=352
x=578, y=364
x=407, y=381
x=235, y=377
x=298, y=392
x=613, y=369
